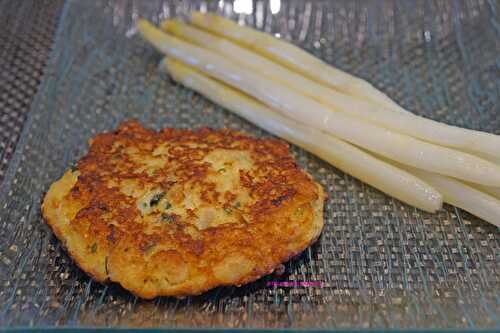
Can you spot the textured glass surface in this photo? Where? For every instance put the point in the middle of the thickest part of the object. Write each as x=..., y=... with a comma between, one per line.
x=382, y=264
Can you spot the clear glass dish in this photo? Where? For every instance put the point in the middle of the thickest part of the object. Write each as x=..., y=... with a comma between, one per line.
x=381, y=263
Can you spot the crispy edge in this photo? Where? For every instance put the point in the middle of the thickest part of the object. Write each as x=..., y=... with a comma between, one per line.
x=55, y=216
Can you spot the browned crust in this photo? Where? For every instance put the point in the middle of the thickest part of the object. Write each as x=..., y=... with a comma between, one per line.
x=102, y=229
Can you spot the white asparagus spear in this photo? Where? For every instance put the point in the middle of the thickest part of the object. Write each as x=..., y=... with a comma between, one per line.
x=464, y=196
x=390, y=144
x=292, y=57
x=383, y=176
x=404, y=122
x=493, y=191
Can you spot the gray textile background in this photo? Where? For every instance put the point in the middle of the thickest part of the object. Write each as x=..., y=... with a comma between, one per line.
x=383, y=264
x=27, y=33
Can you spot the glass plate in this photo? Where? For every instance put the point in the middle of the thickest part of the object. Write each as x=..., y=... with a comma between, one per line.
x=381, y=263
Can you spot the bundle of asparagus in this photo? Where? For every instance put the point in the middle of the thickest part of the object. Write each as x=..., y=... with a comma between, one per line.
x=332, y=114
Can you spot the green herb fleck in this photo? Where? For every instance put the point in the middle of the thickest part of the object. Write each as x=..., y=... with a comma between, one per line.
x=147, y=249
x=106, y=265
x=298, y=212
x=93, y=248
x=167, y=217
x=168, y=205
x=156, y=198
x=237, y=204
x=228, y=210
x=221, y=170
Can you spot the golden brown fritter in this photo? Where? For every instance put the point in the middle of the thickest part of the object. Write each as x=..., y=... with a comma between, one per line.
x=179, y=212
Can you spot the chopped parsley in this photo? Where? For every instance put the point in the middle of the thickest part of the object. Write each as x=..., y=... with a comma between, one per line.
x=106, y=265
x=221, y=170
x=93, y=248
x=167, y=217
x=228, y=210
x=298, y=212
x=168, y=205
x=156, y=199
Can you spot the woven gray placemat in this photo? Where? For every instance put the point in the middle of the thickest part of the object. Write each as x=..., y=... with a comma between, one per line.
x=381, y=263
x=26, y=36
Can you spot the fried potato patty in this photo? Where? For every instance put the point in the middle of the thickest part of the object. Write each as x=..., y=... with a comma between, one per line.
x=178, y=212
